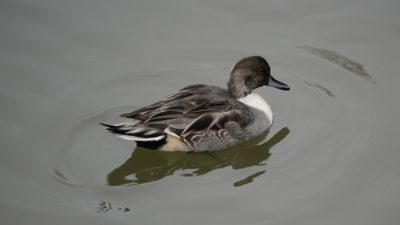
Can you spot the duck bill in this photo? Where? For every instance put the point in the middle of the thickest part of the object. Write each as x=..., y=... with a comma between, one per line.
x=272, y=82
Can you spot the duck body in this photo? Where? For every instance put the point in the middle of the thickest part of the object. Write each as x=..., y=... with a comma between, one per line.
x=202, y=117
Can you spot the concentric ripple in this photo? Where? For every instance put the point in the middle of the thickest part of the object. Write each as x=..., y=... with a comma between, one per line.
x=323, y=124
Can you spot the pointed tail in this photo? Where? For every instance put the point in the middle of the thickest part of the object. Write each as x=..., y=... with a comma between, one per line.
x=136, y=131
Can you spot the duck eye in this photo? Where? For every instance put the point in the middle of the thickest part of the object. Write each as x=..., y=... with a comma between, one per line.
x=262, y=71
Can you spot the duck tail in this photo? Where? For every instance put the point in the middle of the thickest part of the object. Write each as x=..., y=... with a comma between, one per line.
x=136, y=131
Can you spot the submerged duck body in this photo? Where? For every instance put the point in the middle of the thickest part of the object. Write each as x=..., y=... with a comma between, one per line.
x=202, y=117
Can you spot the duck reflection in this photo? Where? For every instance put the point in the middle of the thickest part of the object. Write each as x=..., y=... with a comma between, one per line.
x=146, y=166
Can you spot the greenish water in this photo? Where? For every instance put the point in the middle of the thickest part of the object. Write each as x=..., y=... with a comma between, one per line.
x=331, y=157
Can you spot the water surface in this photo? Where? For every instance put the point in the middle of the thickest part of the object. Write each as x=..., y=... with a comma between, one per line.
x=331, y=156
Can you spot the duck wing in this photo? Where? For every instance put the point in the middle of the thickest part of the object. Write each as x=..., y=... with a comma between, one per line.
x=191, y=112
x=181, y=108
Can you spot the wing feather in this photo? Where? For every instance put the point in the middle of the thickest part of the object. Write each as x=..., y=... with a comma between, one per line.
x=189, y=113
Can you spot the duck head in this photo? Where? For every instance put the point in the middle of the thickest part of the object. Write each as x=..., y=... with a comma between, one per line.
x=250, y=73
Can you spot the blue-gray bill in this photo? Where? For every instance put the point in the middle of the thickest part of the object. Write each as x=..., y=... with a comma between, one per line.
x=272, y=82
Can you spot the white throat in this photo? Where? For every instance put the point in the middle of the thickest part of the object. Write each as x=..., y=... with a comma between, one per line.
x=256, y=101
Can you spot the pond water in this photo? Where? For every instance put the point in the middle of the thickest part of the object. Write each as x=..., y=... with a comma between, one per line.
x=331, y=156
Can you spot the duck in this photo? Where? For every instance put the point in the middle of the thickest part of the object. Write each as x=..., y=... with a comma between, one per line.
x=203, y=117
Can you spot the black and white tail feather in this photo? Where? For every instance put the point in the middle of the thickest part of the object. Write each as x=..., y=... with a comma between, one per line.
x=136, y=131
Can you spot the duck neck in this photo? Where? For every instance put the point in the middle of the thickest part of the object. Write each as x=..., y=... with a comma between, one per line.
x=254, y=100
x=237, y=88
x=237, y=92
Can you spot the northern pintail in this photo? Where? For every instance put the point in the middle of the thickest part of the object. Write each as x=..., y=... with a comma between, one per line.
x=202, y=117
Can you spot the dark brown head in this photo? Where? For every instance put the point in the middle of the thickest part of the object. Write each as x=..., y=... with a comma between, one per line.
x=250, y=73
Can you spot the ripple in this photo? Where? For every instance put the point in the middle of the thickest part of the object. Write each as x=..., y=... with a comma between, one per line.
x=85, y=153
x=345, y=62
x=321, y=88
x=333, y=123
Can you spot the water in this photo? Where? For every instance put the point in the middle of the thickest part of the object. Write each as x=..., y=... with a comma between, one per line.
x=331, y=157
